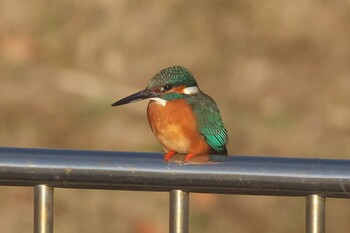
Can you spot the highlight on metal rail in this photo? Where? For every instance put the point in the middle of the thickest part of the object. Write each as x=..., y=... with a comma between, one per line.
x=45, y=169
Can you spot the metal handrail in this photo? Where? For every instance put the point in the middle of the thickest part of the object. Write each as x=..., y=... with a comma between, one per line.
x=148, y=172
x=45, y=169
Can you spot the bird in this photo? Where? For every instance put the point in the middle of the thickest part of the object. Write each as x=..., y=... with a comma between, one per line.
x=182, y=117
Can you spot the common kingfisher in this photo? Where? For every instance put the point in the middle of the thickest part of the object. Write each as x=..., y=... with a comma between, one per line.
x=183, y=118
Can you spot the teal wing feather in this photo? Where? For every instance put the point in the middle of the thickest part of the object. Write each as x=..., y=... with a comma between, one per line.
x=209, y=121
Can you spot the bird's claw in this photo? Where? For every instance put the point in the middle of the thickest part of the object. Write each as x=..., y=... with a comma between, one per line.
x=187, y=158
x=168, y=155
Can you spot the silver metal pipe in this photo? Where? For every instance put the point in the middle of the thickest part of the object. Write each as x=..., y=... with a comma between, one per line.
x=149, y=172
x=178, y=211
x=315, y=214
x=43, y=209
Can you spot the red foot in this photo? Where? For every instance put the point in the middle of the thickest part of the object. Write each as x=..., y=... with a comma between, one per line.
x=188, y=157
x=168, y=155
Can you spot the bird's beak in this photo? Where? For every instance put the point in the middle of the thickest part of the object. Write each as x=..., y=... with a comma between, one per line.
x=141, y=95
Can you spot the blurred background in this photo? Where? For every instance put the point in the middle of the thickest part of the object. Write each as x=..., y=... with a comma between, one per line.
x=279, y=71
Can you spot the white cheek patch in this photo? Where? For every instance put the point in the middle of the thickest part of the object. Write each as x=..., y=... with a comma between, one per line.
x=160, y=101
x=191, y=90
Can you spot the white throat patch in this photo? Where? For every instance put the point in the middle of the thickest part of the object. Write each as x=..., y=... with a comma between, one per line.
x=191, y=90
x=160, y=101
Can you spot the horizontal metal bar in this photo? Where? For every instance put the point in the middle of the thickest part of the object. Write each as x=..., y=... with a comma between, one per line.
x=148, y=172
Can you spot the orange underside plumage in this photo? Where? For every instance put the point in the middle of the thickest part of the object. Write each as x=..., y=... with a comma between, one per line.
x=176, y=128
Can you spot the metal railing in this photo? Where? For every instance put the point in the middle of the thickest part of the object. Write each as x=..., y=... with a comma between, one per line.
x=45, y=169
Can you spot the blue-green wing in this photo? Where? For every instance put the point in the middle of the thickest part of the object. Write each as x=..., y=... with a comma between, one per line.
x=209, y=121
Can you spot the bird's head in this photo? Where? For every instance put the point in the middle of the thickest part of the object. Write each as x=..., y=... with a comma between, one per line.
x=171, y=83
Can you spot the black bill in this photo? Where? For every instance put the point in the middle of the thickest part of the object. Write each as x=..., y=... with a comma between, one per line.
x=141, y=95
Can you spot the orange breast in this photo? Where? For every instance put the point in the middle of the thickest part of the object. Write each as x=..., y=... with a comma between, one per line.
x=176, y=128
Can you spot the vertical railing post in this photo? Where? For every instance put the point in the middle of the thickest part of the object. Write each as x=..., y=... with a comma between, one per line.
x=178, y=211
x=315, y=214
x=43, y=209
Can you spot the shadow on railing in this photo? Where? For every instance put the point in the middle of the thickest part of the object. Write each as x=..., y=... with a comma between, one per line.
x=46, y=169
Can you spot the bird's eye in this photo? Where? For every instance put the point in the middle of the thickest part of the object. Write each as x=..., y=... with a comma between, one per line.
x=167, y=87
